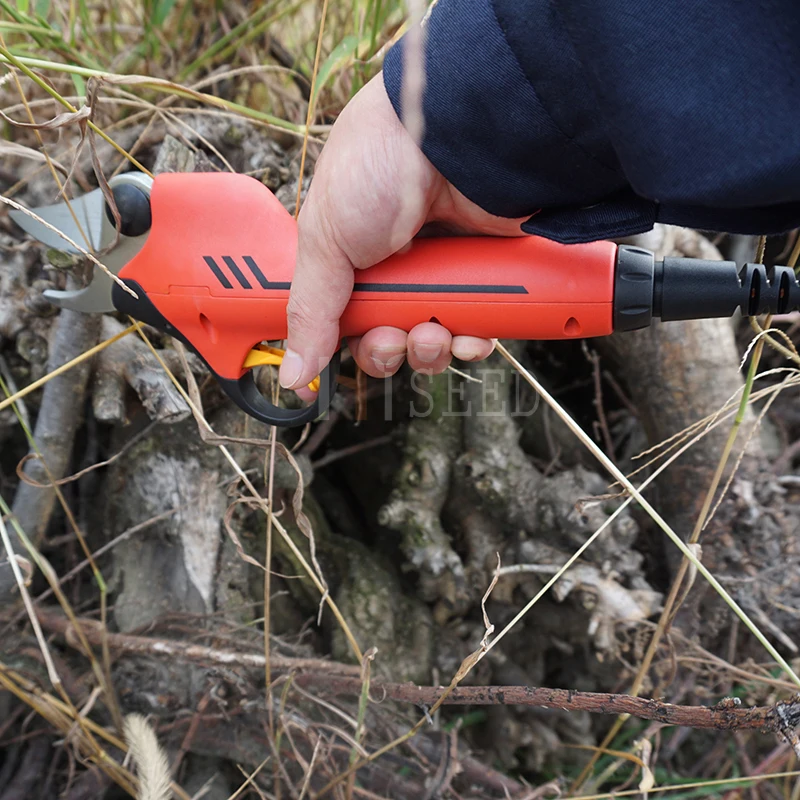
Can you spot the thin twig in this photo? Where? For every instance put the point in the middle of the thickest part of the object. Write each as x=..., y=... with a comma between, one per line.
x=353, y=449
x=185, y=651
x=724, y=716
x=594, y=360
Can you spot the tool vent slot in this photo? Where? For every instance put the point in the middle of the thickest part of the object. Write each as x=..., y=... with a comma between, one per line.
x=783, y=293
x=754, y=296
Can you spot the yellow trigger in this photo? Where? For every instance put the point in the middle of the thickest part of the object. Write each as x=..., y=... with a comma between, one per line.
x=263, y=354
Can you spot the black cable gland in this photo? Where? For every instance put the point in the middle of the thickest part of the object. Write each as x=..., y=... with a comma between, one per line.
x=633, y=288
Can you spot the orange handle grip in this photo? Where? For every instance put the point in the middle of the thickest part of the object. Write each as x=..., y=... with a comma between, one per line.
x=219, y=259
x=516, y=288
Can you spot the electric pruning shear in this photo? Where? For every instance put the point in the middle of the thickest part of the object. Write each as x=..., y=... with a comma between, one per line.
x=208, y=258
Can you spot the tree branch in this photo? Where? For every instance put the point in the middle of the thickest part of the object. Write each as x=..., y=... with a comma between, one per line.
x=342, y=679
x=727, y=715
x=172, y=648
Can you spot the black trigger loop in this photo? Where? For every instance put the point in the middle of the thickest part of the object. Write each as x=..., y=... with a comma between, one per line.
x=245, y=394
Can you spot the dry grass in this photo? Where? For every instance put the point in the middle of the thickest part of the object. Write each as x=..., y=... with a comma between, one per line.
x=158, y=60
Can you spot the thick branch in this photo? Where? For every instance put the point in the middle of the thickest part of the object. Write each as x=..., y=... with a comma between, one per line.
x=130, y=361
x=58, y=419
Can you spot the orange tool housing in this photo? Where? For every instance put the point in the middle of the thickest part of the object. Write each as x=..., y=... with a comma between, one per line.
x=220, y=256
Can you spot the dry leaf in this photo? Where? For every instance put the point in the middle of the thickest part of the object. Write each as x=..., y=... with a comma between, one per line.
x=21, y=151
x=58, y=121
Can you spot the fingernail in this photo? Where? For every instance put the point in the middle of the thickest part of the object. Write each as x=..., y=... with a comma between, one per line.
x=427, y=353
x=387, y=363
x=467, y=353
x=291, y=369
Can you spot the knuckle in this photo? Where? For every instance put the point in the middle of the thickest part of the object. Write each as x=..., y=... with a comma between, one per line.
x=321, y=235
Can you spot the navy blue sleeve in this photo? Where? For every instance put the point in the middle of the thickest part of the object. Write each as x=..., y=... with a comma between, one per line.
x=597, y=119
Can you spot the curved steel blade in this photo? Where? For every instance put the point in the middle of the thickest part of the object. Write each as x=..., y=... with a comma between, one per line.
x=91, y=213
x=89, y=210
x=95, y=298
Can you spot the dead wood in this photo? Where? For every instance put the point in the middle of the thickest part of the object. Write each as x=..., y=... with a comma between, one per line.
x=13, y=286
x=239, y=735
x=496, y=477
x=421, y=488
x=174, y=566
x=231, y=680
x=461, y=490
x=242, y=738
x=58, y=419
x=174, y=156
x=493, y=465
x=130, y=362
x=678, y=373
x=330, y=678
x=184, y=651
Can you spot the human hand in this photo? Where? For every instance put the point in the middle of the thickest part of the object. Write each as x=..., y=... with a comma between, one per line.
x=372, y=192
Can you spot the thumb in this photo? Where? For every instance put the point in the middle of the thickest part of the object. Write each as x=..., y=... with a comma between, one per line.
x=321, y=288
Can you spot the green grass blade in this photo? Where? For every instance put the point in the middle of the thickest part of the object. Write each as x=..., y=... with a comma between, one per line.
x=224, y=41
x=341, y=57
